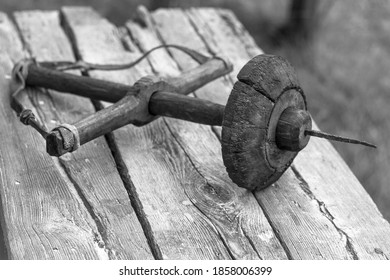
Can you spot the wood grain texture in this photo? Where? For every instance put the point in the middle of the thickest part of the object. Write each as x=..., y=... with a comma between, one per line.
x=161, y=19
x=316, y=196
x=222, y=27
x=218, y=29
x=91, y=170
x=332, y=185
x=187, y=205
x=182, y=206
x=152, y=162
x=44, y=217
x=214, y=27
x=232, y=210
x=170, y=104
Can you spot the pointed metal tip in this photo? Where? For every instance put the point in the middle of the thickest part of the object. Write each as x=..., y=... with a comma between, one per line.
x=328, y=136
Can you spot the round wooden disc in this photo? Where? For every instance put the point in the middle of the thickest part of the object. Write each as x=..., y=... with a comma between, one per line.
x=266, y=86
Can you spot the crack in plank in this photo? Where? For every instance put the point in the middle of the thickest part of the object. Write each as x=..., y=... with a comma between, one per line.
x=205, y=183
x=4, y=255
x=277, y=233
x=380, y=252
x=66, y=174
x=120, y=164
x=100, y=237
x=223, y=209
x=216, y=132
x=4, y=242
x=250, y=241
x=206, y=43
x=205, y=217
x=132, y=193
x=322, y=207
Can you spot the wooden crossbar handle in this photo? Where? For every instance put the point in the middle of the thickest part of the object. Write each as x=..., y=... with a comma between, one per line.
x=186, y=83
x=131, y=102
x=80, y=85
x=137, y=110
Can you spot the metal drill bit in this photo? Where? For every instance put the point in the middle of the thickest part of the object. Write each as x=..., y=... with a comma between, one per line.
x=337, y=138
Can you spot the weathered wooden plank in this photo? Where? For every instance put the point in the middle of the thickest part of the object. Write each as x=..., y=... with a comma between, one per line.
x=234, y=47
x=92, y=169
x=366, y=233
x=341, y=197
x=160, y=21
x=234, y=211
x=152, y=162
x=332, y=201
x=214, y=30
x=307, y=207
x=44, y=217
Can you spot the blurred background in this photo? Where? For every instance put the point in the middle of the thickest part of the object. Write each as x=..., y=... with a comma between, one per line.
x=341, y=50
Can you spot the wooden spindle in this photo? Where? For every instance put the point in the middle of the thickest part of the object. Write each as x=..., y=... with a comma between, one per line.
x=264, y=124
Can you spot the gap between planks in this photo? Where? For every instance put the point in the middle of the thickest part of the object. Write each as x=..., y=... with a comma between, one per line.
x=149, y=27
x=196, y=16
x=127, y=179
x=156, y=131
x=110, y=238
x=120, y=165
x=135, y=201
x=193, y=14
x=4, y=255
x=144, y=18
x=17, y=159
x=250, y=49
x=364, y=234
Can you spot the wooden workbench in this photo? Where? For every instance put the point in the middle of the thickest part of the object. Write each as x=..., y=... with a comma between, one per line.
x=160, y=191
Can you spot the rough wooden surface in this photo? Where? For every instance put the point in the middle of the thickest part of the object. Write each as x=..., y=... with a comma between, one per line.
x=43, y=216
x=79, y=207
x=150, y=160
x=343, y=201
x=83, y=210
x=232, y=215
x=92, y=169
x=303, y=228
x=193, y=212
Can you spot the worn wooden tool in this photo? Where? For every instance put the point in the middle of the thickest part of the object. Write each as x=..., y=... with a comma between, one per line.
x=264, y=124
